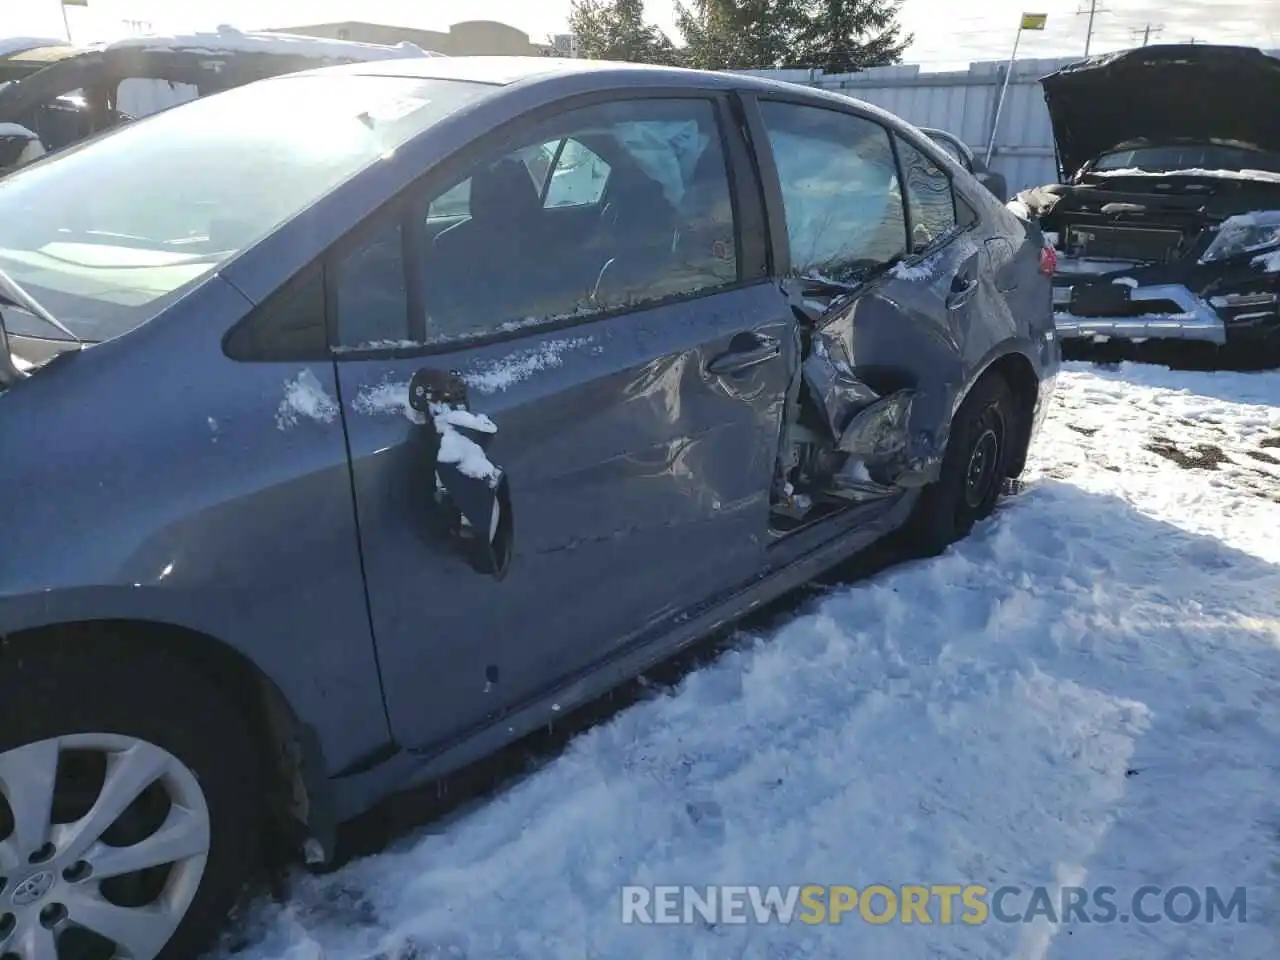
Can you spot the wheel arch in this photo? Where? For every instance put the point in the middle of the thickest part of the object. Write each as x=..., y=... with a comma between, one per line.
x=1019, y=374
x=287, y=754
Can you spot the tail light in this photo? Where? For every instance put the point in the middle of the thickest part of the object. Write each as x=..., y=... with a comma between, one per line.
x=1048, y=260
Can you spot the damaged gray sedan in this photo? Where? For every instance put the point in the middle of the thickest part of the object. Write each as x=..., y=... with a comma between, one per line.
x=360, y=421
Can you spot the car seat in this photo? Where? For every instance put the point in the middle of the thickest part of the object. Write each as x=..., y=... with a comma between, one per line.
x=481, y=269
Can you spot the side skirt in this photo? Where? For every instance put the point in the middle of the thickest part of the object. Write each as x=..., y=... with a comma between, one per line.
x=354, y=794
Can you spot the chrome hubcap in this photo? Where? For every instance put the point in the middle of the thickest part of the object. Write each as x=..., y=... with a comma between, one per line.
x=103, y=841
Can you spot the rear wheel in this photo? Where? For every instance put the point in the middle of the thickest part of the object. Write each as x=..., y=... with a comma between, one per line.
x=128, y=804
x=973, y=469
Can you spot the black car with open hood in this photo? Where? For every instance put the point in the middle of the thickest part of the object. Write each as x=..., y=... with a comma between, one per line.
x=1167, y=219
x=1162, y=94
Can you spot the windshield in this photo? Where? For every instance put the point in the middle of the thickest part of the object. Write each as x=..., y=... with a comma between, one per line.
x=107, y=233
x=1188, y=156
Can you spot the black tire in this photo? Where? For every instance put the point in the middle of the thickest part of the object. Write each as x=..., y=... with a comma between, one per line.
x=948, y=508
x=98, y=684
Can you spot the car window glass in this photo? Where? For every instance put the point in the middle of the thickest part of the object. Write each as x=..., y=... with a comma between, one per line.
x=1189, y=156
x=372, y=298
x=453, y=203
x=637, y=209
x=290, y=325
x=143, y=96
x=954, y=151
x=840, y=189
x=120, y=227
x=580, y=177
x=929, y=197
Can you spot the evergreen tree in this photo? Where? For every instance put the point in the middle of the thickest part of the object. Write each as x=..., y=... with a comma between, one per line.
x=740, y=34
x=615, y=30
x=838, y=36
x=843, y=36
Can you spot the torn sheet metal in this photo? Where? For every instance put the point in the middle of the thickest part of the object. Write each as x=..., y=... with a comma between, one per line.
x=854, y=482
x=832, y=387
x=878, y=435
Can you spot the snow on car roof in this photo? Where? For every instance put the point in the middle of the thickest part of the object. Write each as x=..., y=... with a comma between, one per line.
x=37, y=57
x=1268, y=175
x=11, y=45
x=227, y=39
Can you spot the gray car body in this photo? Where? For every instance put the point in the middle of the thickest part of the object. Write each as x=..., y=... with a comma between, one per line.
x=147, y=480
x=995, y=182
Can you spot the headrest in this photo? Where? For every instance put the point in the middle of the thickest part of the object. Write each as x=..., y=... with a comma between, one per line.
x=504, y=191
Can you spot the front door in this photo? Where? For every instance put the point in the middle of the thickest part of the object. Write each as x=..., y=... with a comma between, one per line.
x=617, y=398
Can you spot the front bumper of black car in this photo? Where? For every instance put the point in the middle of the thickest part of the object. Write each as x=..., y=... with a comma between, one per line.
x=1211, y=303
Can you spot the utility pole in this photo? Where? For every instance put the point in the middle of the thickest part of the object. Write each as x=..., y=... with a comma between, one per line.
x=1147, y=32
x=1094, y=10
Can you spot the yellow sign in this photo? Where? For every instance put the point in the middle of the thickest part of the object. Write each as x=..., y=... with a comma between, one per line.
x=1034, y=21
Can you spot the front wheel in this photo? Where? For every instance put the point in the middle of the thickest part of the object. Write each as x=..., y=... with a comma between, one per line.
x=973, y=469
x=128, y=804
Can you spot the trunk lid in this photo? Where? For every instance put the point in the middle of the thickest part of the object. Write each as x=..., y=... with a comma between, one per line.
x=1163, y=93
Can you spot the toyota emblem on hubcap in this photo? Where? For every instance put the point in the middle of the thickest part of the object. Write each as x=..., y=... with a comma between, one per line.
x=32, y=889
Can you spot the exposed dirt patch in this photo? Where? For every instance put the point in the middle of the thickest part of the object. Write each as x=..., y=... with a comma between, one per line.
x=1270, y=442
x=1263, y=457
x=1087, y=431
x=1176, y=355
x=1206, y=456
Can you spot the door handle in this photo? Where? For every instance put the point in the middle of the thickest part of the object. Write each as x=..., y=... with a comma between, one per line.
x=962, y=289
x=762, y=350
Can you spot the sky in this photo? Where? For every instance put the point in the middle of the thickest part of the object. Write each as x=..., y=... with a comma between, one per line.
x=944, y=38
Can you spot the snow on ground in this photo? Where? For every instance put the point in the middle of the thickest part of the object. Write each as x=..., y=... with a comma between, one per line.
x=1085, y=692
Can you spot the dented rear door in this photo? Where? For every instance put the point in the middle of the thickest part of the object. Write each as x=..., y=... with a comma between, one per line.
x=532, y=501
x=888, y=276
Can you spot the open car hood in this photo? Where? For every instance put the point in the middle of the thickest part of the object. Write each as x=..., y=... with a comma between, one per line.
x=1163, y=93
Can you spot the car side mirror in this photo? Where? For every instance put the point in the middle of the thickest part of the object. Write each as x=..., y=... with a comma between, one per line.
x=994, y=182
x=472, y=488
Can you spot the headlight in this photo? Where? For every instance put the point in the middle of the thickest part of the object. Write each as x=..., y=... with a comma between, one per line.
x=1247, y=233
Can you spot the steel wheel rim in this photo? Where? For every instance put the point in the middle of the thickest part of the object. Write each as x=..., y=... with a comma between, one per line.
x=53, y=872
x=984, y=461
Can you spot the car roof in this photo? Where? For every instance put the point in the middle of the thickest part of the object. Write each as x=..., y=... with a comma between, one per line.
x=507, y=71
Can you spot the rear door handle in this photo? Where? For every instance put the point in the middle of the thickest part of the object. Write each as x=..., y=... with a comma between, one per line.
x=762, y=350
x=962, y=289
